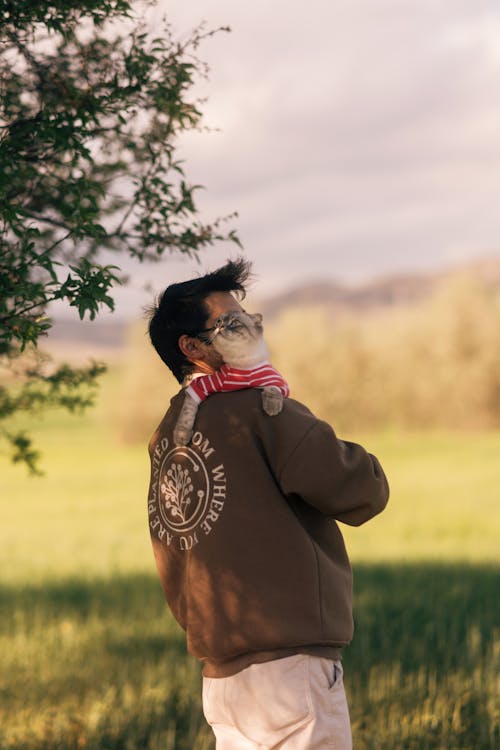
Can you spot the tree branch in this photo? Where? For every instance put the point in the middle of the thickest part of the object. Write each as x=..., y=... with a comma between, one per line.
x=48, y=220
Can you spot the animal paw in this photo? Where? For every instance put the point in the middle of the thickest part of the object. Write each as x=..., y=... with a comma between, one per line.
x=182, y=436
x=272, y=400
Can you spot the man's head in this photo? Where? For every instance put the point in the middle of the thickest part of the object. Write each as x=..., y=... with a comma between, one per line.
x=185, y=312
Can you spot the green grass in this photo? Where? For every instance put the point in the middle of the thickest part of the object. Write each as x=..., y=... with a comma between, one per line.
x=444, y=498
x=91, y=659
x=100, y=664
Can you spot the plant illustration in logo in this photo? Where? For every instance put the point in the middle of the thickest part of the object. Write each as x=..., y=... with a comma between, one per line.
x=176, y=489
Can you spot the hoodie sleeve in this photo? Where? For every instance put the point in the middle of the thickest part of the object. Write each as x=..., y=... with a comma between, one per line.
x=340, y=479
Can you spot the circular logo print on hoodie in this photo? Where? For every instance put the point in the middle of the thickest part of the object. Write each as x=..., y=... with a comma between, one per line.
x=188, y=491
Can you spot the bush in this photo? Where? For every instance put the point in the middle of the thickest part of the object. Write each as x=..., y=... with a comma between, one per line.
x=139, y=392
x=436, y=364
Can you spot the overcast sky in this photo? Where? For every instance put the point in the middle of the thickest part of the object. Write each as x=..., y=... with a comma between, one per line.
x=357, y=137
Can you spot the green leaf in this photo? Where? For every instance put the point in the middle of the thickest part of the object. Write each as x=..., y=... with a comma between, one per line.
x=91, y=111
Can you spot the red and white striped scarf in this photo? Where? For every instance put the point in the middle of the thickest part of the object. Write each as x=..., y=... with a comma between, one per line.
x=231, y=379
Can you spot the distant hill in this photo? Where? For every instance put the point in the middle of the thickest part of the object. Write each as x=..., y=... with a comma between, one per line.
x=76, y=341
x=107, y=337
x=107, y=334
x=386, y=291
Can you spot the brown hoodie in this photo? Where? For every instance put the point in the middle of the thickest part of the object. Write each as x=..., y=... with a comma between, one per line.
x=243, y=524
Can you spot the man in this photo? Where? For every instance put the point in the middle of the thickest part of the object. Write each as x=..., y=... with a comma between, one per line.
x=244, y=532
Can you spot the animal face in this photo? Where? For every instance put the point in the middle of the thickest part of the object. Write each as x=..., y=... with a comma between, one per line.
x=238, y=325
x=238, y=337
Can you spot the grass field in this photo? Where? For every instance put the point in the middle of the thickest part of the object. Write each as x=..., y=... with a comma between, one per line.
x=91, y=659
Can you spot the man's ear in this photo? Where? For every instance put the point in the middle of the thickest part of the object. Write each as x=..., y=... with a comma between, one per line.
x=192, y=348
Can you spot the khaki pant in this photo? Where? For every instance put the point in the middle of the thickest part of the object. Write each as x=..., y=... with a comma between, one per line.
x=296, y=703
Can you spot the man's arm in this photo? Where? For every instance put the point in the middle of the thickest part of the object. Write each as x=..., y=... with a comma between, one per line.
x=340, y=479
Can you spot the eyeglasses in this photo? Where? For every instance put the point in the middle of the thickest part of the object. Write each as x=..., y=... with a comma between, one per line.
x=205, y=336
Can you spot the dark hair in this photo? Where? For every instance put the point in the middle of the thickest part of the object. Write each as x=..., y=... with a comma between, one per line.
x=181, y=310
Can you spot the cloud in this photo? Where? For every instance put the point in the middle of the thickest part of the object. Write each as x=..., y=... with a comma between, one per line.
x=355, y=137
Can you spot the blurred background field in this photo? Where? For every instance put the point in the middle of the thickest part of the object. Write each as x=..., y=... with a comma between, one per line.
x=90, y=657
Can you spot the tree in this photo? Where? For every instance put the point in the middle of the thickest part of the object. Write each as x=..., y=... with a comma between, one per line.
x=91, y=106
